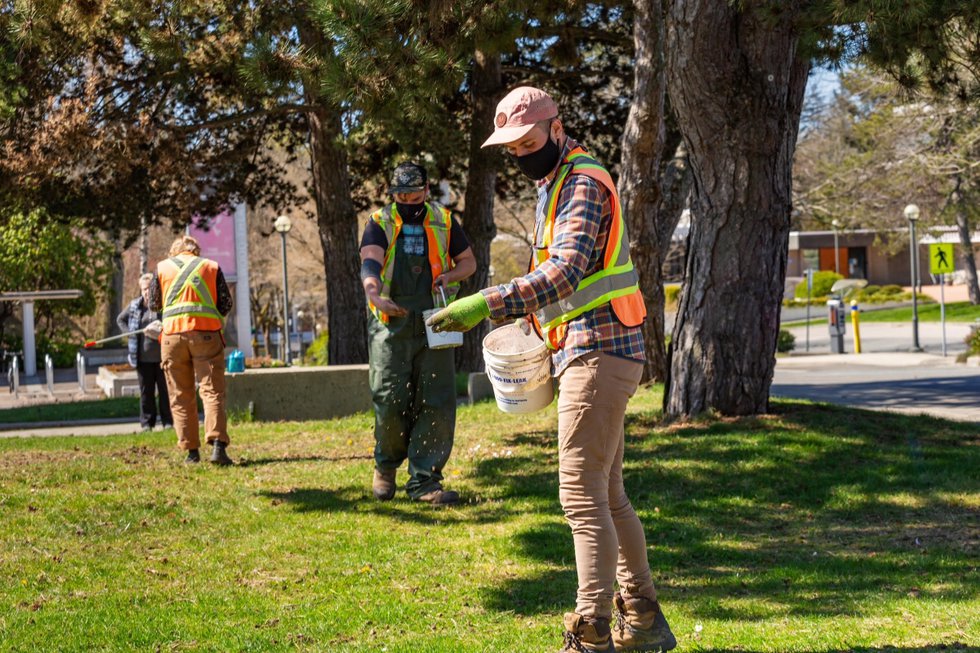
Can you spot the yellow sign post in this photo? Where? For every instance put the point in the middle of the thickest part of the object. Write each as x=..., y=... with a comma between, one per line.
x=941, y=258
x=941, y=263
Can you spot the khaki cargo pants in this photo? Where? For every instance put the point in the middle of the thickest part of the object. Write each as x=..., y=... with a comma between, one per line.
x=610, y=545
x=200, y=356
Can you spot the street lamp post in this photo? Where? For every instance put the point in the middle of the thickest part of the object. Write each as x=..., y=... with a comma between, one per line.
x=912, y=215
x=835, y=223
x=283, y=224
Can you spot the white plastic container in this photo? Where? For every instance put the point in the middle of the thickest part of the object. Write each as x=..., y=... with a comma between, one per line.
x=441, y=339
x=519, y=368
x=444, y=339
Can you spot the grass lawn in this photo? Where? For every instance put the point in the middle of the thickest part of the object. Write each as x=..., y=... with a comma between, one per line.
x=97, y=408
x=812, y=529
x=955, y=312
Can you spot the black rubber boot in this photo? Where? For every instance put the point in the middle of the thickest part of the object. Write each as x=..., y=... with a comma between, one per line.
x=193, y=457
x=218, y=456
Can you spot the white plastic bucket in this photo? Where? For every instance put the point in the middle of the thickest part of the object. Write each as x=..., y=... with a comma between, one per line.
x=441, y=339
x=519, y=369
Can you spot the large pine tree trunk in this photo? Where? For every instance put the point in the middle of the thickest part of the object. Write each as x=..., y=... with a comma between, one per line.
x=336, y=218
x=736, y=84
x=639, y=181
x=966, y=244
x=114, y=298
x=481, y=179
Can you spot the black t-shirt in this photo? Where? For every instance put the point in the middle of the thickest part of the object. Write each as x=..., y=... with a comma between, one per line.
x=412, y=238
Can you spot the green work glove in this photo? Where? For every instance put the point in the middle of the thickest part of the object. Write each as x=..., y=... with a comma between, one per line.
x=461, y=315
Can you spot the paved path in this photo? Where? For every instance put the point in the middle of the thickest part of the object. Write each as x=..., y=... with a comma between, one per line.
x=903, y=382
x=887, y=375
x=126, y=426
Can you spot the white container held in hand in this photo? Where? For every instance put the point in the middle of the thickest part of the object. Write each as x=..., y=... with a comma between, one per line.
x=443, y=339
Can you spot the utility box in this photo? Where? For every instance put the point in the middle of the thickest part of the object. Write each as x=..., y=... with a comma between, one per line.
x=836, y=321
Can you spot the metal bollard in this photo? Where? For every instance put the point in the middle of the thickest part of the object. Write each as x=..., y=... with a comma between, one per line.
x=856, y=322
x=80, y=369
x=49, y=373
x=15, y=375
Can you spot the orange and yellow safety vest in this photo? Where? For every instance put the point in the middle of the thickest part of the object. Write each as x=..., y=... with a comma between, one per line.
x=438, y=226
x=190, y=287
x=616, y=283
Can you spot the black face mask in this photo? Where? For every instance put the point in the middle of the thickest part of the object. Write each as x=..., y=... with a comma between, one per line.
x=538, y=165
x=411, y=212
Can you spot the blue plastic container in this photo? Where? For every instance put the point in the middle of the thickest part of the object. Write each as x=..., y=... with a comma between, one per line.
x=236, y=362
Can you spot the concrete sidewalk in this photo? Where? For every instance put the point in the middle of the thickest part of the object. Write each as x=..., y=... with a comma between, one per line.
x=108, y=426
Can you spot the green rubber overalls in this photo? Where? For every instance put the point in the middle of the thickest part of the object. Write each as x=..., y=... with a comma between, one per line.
x=413, y=387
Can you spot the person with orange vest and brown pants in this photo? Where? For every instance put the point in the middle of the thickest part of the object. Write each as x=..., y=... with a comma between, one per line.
x=582, y=296
x=192, y=294
x=413, y=254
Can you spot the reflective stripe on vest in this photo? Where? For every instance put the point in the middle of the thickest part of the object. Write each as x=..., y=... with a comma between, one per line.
x=438, y=226
x=189, y=302
x=617, y=282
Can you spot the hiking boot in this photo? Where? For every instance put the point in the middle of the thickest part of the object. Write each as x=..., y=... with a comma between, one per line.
x=218, y=455
x=641, y=626
x=587, y=634
x=383, y=485
x=193, y=457
x=440, y=497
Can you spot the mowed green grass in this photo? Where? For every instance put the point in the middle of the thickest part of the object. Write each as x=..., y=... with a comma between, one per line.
x=811, y=529
x=931, y=312
x=77, y=410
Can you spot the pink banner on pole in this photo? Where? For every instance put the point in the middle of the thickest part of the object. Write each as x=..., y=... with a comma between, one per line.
x=217, y=238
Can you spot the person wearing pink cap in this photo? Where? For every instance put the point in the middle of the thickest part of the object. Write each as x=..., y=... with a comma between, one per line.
x=582, y=297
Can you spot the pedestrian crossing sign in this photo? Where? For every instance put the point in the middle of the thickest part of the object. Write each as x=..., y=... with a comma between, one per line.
x=940, y=258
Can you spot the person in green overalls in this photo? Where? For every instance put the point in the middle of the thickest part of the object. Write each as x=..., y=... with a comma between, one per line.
x=413, y=256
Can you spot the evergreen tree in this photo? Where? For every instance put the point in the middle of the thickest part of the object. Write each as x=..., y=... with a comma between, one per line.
x=736, y=74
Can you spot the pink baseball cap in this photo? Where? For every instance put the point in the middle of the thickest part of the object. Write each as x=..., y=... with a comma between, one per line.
x=518, y=112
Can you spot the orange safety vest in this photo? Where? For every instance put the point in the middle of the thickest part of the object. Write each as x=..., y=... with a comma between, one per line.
x=616, y=283
x=190, y=287
x=438, y=226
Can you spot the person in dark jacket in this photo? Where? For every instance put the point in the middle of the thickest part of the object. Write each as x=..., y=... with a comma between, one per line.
x=144, y=355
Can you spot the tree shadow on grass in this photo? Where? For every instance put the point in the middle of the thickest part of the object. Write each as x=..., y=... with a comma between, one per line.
x=936, y=648
x=360, y=500
x=811, y=511
x=257, y=462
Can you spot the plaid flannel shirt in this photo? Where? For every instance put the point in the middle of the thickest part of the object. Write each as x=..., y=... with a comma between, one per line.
x=582, y=223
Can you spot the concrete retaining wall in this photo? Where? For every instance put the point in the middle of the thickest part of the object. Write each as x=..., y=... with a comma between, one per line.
x=300, y=393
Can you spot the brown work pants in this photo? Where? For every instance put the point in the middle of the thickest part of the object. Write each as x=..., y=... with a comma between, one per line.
x=196, y=355
x=609, y=542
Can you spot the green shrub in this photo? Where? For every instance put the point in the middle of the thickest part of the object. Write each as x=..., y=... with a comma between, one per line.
x=785, y=342
x=973, y=342
x=62, y=348
x=263, y=361
x=317, y=354
x=882, y=294
x=462, y=384
x=822, y=282
x=672, y=294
